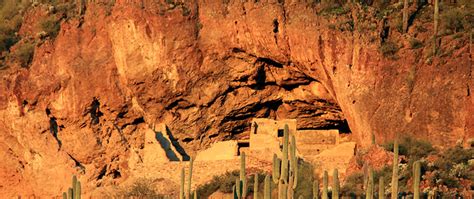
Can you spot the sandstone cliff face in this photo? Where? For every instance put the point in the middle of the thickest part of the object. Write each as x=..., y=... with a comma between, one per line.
x=205, y=68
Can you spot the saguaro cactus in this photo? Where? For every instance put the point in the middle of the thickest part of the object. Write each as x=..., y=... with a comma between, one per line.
x=284, y=160
x=373, y=138
x=435, y=28
x=335, y=187
x=381, y=188
x=369, y=194
x=276, y=169
x=286, y=176
x=77, y=191
x=190, y=174
x=293, y=163
x=325, y=186
x=255, y=187
x=238, y=190
x=405, y=16
x=316, y=189
x=74, y=192
x=80, y=6
x=416, y=180
x=181, y=188
x=395, y=171
x=243, y=178
x=267, y=190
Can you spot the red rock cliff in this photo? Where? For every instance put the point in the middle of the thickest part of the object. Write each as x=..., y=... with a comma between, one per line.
x=205, y=68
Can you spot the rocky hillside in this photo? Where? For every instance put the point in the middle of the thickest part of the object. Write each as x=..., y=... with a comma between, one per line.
x=81, y=83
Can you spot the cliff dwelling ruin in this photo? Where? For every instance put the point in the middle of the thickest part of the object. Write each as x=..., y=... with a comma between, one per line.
x=265, y=139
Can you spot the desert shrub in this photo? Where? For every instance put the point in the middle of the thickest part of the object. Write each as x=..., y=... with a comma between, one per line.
x=353, y=185
x=305, y=180
x=217, y=183
x=415, y=43
x=451, y=166
x=457, y=19
x=24, y=54
x=412, y=148
x=389, y=49
x=330, y=9
x=10, y=22
x=50, y=25
x=453, y=19
x=142, y=188
x=225, y=182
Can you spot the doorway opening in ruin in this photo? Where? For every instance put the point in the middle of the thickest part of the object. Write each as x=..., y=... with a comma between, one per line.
x=281, y=133
x=242, y=146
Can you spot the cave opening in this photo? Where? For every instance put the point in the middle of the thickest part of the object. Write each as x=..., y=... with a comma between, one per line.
x=275, y=25
x=95, y=111
x=53, y=126
x=242, y=146
x=341, y=125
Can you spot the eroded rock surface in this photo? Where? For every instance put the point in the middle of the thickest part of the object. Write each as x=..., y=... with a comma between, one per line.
x=206, y=68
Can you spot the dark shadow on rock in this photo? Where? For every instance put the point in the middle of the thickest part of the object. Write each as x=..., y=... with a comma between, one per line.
x=177, y=146
x=166, y=145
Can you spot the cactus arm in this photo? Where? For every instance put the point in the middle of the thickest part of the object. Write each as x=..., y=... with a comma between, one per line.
x=284, y=161
x=370, y=185
x=181, y=189
x=276, y=169
x=416, y=180
x=325, y=186
x=255, y=187
x=243, y=178
x=381, y=188
x=335, y=189
x=267, y=188
x=316, y=189
x=395, y=171
x=190, y=174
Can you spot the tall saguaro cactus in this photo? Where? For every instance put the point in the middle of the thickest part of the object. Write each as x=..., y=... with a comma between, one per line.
x=190, y=174
x=381, y=188
x=336, y=186
x=181, y=187
x=276, y=169
x=395, y=170
x=74, y=192
x=284, y=160
x=243, y=178
x=293, y=163
x=316, y=189
x=369, y=194
x=416, y=179
x=325, y=186
x=435, y=32
x=285, y=172
x=405, y=16
x=255, y=187
x=267, y=189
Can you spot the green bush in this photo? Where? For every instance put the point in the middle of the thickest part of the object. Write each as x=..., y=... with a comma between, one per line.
x=334, y=9
x=225, y=182
x=142, y=188
x=453, y=19
x=24, y=54
x=415, y=43
x=412, y=148
x=305, y=179
x=222, y=183
x=10, y=22
x=353, y=185
x=51, y=26
x=389, y=49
